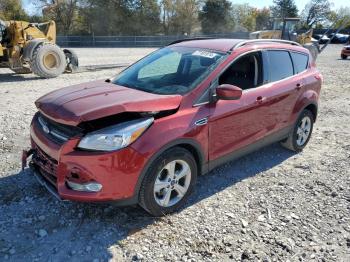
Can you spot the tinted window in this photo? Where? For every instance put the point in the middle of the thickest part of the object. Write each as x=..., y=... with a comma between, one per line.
x=245, y=72
x=300, y=62
x=280, y=65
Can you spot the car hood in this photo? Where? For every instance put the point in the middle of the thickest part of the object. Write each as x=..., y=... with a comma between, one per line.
x=84, y=102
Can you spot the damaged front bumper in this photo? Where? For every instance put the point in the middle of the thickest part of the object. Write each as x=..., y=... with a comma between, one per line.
x=67, y=172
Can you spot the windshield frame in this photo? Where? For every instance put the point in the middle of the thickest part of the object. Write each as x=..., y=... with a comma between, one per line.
x=192, y=86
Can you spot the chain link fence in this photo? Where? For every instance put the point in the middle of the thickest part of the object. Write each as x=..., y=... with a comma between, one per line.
x=134, y=41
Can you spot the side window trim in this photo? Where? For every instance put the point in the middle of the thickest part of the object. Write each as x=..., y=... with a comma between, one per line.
x=266, y=66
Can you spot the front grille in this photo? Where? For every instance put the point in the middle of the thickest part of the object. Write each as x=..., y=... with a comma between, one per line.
x=47, y=165
x=348, y=48
x=56, y=132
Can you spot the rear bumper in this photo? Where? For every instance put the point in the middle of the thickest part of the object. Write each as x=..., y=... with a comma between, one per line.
x=118, y=172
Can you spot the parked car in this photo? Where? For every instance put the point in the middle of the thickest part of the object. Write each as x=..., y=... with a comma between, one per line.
x=345, y=52
x=145, y=135
x=322, y=39
x=339, y=38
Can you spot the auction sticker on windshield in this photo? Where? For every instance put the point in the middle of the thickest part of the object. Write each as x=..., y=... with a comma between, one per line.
x=204, y=54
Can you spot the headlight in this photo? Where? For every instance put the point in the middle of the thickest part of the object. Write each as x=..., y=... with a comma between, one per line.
x=115, y=137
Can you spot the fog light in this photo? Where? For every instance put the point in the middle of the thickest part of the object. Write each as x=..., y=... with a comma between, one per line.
x=87, y=187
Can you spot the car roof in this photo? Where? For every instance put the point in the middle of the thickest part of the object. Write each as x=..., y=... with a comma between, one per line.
x=226, y=44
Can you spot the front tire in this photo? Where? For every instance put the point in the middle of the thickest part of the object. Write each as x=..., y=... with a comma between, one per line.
x=344, y=57
x=301, y=133
x=48, y=61
x=168, y=182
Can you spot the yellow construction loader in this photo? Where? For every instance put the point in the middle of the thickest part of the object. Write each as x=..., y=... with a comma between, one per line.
x=286, y=29
x=31, y=47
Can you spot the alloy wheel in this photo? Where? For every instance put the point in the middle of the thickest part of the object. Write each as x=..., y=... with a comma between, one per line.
x=172, y=183
x=303, y=131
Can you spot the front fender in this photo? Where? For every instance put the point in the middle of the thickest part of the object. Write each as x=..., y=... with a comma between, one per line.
x=28, y=50
x=310, y=97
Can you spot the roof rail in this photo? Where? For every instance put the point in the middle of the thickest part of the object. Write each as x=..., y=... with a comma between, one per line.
x=240, y=44
x=189, y=39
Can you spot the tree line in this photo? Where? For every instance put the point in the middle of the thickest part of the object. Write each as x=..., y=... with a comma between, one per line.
x=169, y=17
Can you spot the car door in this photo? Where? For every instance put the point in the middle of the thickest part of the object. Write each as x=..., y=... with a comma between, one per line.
x=282, y=90
x=234, y=124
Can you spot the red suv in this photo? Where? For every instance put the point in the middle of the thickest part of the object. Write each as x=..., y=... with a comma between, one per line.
x=144, y=136
x=345, y=52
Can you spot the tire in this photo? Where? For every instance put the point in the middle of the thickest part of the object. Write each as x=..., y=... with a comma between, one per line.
x=23, y=70
x=48, y=61
x=72, y=61
x=294, y=141
x=344, y=57
x=151, y=197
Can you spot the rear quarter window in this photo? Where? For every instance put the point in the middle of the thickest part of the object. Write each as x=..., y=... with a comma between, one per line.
x=300, y=61
x=280, y=65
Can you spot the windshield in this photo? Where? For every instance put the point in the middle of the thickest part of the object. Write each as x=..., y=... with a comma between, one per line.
x=170, y=70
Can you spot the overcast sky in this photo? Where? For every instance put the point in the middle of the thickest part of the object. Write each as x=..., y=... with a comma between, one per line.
x=31, y=9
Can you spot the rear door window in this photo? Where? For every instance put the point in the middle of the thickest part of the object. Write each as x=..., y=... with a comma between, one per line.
x=280, y=65
x=300, y=62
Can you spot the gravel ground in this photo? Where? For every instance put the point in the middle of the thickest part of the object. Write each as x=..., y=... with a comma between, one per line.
x=271, y=205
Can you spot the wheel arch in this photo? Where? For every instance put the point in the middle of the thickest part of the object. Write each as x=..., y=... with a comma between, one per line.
x=312, y=107
x=308, y=100
x=189, y=144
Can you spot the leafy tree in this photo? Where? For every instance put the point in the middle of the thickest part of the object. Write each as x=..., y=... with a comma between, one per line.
x=284, y=8
x=244, y=17
x=179, y=16
x=145, y=17
x=262, y=19
x=12, y=10
x=187, y=15
x=63, y=12
x=315, y=12
x=216, y=17
x=340, y=17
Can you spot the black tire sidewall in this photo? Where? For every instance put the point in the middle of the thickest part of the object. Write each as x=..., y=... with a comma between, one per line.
x=73, y=57
x=147, y=200
x=38, y=66
x=295, y=135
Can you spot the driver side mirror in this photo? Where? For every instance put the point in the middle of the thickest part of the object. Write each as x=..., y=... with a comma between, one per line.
x=228, y=92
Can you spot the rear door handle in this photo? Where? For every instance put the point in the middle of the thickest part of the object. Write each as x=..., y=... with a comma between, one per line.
x=260, y=99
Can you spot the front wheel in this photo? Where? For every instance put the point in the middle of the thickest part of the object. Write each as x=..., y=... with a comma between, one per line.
x=344, y=57
x=48, y=61
x=301, y=133
x=168, y=182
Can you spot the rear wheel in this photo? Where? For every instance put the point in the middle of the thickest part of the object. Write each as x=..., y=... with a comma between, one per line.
x=301, y=133
x=344, y=56
x=168, y=182
x=72, y=60
x=48, y=61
